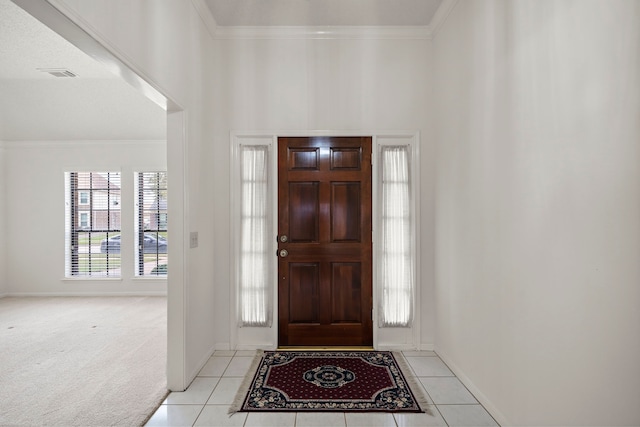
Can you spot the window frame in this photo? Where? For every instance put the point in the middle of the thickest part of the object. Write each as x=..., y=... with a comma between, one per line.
x=74, y=227
x=411, y=141
x=141, y=230
x=88, y=198
x=81, y=222
x=243, y=330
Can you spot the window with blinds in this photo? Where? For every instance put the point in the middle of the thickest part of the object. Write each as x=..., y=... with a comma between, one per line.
x=93, y=221
x=151, y=224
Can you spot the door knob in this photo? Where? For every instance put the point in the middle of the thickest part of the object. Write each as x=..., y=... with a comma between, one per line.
x=284, y=253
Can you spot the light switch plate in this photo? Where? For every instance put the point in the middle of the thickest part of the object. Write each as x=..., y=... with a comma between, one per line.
x=193, y=239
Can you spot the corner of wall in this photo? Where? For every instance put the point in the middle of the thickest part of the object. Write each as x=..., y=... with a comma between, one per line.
x=475, y=391
x=441, y=15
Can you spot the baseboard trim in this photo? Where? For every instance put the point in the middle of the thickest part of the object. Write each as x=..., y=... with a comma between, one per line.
x=394, y=347
x=250, y=347
x=484, y=400
x=427, y=346
x=87, y=294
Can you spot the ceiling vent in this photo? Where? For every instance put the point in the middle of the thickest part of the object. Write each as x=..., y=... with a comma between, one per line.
x=57, y=72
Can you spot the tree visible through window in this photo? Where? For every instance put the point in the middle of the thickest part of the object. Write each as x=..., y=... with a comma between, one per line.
x=93, y=224
x=151, y=235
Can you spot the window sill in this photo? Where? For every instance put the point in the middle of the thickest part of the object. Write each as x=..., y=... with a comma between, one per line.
x=91, y=279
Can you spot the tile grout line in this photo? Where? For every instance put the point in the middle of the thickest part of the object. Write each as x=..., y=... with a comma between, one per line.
x=199, y=413
x=441, y=416
x=476, y=399
x=430, y=398
x=214, y=388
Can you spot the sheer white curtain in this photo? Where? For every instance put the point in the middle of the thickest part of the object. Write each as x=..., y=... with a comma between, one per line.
x=254, y=272
x=396, y=270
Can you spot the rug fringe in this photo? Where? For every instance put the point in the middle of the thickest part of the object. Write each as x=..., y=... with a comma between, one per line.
x=246, y=383
x=414, y=383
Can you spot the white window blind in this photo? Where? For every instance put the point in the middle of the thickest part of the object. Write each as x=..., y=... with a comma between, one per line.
x=92, y=237
x=151, y=224
x=396, y=270
x=254, y=272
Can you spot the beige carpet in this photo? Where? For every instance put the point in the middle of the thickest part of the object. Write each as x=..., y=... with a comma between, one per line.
x=81, y=361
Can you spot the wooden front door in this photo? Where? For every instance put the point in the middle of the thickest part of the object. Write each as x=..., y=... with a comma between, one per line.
x=324, y=241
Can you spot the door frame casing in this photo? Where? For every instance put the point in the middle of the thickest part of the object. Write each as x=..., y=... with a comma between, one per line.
x=251, y=338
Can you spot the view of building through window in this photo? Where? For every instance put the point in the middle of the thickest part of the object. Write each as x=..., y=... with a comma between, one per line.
x=94, y=240
x=151, y=227
x=93, y=224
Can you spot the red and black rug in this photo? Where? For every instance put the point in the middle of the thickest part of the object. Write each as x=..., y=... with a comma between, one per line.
x=366, y=381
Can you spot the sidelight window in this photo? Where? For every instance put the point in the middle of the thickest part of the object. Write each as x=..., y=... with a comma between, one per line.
x=254, y=273
x=396, y=246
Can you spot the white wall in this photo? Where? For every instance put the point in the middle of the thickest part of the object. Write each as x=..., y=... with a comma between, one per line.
x=305, y=84
x=3, y=240
x=538, y=208
x=35, y=212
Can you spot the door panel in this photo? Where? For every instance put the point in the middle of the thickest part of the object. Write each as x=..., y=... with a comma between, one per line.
x=346, y=158
x=346, y=292
x=304, y=211
x=345, y=211
x=324, y=225
x=304, y=158
x=304, y=283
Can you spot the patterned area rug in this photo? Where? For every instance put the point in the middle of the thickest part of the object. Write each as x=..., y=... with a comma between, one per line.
x=364, y=381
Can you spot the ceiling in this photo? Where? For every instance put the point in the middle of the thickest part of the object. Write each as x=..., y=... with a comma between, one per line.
x=323, y=12
x=36, y=106
x=98, y=105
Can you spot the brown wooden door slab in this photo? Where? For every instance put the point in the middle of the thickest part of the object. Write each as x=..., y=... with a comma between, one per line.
x=324, y=210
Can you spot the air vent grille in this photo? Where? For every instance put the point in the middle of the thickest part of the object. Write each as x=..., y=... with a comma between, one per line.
x=58, y=72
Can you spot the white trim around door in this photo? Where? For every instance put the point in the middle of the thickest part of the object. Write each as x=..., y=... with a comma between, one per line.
x=266, y=337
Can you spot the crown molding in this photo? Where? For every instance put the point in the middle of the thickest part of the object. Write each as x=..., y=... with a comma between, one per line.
x=441, y=15
x=425, y=32
x=206, y=16
x=337, y=32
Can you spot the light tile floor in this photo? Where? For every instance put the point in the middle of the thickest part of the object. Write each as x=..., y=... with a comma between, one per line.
x=206, y=401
